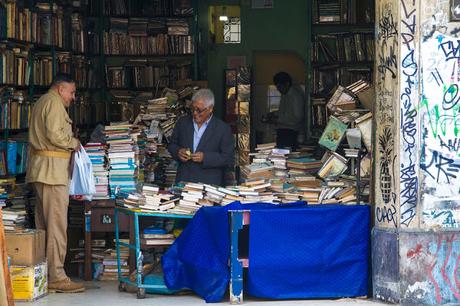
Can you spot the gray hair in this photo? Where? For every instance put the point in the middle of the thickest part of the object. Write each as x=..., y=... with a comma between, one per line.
x=204, y=94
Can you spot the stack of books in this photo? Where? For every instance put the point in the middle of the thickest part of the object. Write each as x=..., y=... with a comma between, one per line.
x=110, y=266
x=97, y=153
x=14, y=219
x=154, y=236
x=121, y=155
x=7, y=186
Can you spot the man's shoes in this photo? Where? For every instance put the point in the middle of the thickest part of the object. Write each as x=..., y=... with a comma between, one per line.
x=66, y=286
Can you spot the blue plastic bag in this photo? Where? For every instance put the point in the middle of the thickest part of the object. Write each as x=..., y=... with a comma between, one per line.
x=82, y=182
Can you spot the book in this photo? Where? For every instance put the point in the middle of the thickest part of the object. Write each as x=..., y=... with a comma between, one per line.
x=333, y=134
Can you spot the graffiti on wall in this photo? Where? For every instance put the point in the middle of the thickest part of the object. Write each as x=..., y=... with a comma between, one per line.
x=387, y=66
x=429, y=268
x=409, y=161
x=440, y=106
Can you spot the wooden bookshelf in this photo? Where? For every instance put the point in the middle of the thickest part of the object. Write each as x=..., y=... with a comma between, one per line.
x=341, y=52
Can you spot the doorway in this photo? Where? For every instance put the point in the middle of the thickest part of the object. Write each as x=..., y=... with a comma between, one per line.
x=265, y=95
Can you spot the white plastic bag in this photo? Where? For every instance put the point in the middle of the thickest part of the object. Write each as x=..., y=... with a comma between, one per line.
x=82, y=182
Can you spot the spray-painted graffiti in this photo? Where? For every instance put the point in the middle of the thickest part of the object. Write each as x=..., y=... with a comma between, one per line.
x=448, y=218
x=439, y=110
x=442, y=168
x=429, y=268
x=387, y=93
x=409, y=115
x=386, y=35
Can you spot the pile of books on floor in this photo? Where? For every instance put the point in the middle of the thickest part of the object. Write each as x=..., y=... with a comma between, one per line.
x=110, y=266
x=97, y=153
x=122, y=157
x=98, y=248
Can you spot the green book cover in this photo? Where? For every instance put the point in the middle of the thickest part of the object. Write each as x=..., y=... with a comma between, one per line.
x=333, y=134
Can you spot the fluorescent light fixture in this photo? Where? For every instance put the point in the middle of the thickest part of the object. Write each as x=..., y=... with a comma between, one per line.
x=223, y=18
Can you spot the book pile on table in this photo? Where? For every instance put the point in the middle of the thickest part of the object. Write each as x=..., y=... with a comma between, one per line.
x=155, y=201
x=121, y=155
x=96, y=153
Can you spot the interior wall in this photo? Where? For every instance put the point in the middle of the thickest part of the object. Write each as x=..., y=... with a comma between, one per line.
x=265, y=66
x=279, y=29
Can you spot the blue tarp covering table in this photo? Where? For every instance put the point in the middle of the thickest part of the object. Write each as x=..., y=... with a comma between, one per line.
x=295, y=251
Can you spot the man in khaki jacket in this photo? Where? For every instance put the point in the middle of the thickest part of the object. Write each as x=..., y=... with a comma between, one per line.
x=51, y=144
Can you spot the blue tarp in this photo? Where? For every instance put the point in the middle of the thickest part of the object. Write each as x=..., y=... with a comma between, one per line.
x=316, y=244
x=315, y=252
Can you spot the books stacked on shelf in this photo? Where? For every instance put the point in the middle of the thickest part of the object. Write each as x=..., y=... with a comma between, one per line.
x=177, y=27
x=121, y=156
x=342, y=12
x=97, y=153
x=15, y=21
x=327, y=11
x=15, y=109
x=76, y=214
x=143, y=8
x=156, y=236
x=77, y=35
x=14, y=65
x=138, y=73
x=93, y=45
x=43, y=68
x=63, y=62
x=14, y=159
x=84, y=72
x=131, y=36
x=344, y=47
x=49, y=28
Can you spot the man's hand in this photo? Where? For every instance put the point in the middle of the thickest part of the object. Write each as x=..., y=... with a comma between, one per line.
x=78, y=147
x=198, y=157
x=184, y=154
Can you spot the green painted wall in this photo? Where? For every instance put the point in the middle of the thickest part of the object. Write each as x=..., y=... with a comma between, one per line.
x=283, y=28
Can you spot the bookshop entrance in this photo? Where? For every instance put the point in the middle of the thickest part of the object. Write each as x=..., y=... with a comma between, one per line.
x=266, y=96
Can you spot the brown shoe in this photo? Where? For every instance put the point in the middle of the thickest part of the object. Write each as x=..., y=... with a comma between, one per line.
x=66, y=286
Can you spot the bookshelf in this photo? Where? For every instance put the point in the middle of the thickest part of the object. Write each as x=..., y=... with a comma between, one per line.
x=135, y=45
x=341, y=53
x=237, y=111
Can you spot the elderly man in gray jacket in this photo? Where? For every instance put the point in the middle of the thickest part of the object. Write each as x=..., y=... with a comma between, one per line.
x=202, y=144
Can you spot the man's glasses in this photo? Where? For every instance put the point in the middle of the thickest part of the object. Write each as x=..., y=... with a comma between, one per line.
x=198, y=110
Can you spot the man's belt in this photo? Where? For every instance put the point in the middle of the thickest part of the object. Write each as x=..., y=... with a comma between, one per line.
x=47, y=153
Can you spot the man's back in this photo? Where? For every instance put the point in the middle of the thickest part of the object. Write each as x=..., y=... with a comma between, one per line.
x=50, y=131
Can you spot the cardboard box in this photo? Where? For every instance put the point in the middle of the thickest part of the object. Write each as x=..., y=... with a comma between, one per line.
x=26, y=248
x=29, y=283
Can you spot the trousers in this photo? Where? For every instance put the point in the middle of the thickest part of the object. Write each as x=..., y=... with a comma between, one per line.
x=51, y=216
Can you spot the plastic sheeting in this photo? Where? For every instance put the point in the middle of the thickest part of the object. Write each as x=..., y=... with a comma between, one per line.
x=315, y=252
x=198, y=259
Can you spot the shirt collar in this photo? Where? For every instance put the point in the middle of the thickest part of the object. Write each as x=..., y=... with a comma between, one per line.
x=204, y=123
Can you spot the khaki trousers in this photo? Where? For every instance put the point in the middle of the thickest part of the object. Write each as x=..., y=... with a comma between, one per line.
x=51, y=216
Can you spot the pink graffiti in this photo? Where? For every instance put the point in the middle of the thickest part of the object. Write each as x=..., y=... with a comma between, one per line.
x=457, y=282
x=449, y=242
x=430, y=273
